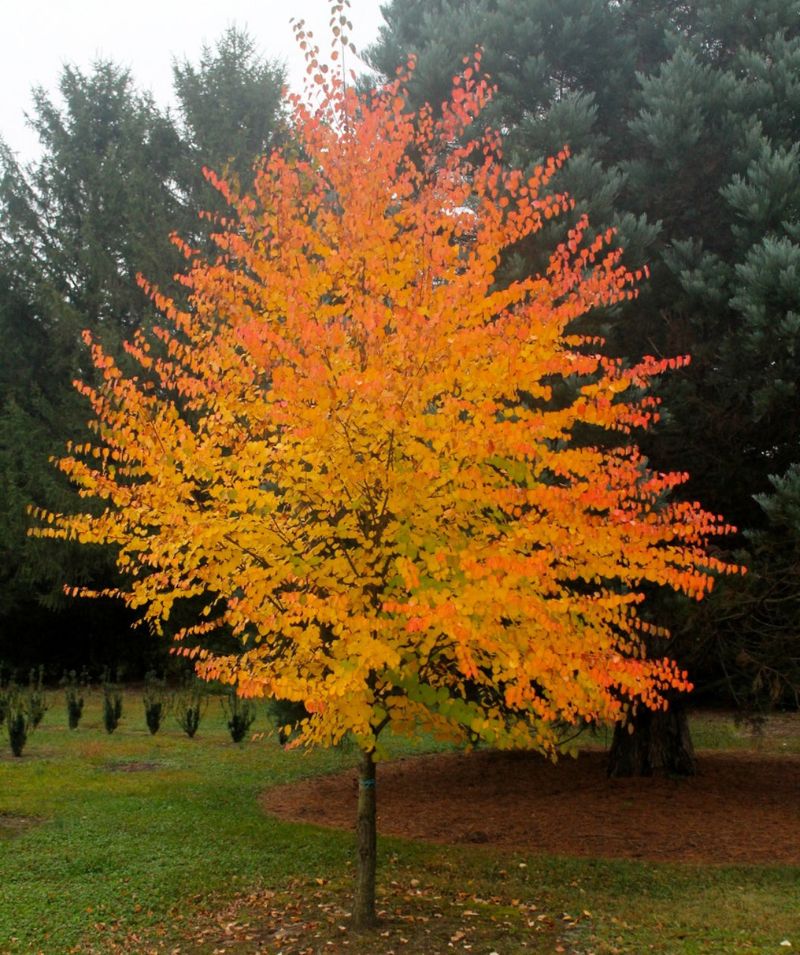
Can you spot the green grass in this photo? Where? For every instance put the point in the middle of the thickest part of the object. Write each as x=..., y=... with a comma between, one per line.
x=780, y=733
x=135, y=843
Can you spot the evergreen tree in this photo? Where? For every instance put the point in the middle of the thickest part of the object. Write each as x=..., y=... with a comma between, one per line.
x=115, y=177
x=77, y=226
x=722, y=119
x=231, y=105
x=684, y=122
x=98, y=206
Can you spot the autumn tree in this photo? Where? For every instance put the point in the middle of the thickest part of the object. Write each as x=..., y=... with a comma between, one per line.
x=353, y=453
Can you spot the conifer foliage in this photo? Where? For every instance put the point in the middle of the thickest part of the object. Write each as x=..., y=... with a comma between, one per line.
x=354, y=453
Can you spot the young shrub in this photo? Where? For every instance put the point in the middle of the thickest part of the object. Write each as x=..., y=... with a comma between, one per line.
x=73, y=696
x=240, y=713
x=112, y=704
x=18, y=721
x=36, y=698
x=190, y=704
x=154, y=702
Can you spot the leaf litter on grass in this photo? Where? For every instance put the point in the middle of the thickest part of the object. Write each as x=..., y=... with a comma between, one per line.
x=417, y=916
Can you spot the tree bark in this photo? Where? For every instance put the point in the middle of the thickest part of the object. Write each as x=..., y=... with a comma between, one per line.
x=659, y=744
x=364, y=916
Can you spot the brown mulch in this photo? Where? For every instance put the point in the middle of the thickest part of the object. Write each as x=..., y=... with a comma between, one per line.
x=740, y=808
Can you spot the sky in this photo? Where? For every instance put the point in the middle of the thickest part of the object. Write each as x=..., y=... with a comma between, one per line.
x=40, y=36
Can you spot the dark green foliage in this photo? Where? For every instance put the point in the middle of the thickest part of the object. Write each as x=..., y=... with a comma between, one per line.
x=97, y=207
x=189, y=705
x=112, y=704
x=73, y=696
x=18, y=725
x=760, y=619
x=232, y=112
x=76, y=226
x=35, y=412
x=18, y=720
x=189, y=719
x=154, y=701
x=722, y=119
x=240, y=713
x=36, y=698
x=112, y=709
x=153, y=713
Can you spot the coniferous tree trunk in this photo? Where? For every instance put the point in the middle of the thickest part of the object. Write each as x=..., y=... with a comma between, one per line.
x=660, y=743
x=366, y=844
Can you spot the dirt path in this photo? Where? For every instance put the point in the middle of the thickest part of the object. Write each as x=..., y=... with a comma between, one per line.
x=740, y=808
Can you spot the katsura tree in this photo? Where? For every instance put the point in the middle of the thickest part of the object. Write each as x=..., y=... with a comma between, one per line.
x=410, y=492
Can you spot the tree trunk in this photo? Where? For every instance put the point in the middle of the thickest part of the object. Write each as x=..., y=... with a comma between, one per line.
x=659, y=744
x=364, y=916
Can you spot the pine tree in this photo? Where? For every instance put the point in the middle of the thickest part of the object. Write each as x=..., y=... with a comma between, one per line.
x=231, y=107
x=683, y=120
x=116, y=175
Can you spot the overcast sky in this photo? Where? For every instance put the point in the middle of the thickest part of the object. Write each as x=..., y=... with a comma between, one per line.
x=40, y=36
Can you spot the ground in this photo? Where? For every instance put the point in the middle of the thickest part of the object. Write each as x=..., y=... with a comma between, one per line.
x=740, y=808
x=163, y=845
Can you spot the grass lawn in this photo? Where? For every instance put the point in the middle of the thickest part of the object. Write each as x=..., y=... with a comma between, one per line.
x=139, y=843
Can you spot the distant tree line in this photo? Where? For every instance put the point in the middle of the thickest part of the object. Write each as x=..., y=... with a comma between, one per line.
x=116, y=175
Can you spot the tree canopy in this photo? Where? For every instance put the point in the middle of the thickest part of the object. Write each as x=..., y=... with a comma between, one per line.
x=352, y=447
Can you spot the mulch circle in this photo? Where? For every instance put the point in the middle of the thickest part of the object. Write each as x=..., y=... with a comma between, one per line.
x=740, y=808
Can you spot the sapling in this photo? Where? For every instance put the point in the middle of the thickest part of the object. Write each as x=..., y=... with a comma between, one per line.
x=240, y=713
x=36, y=698
x=18, y=721
x=190, y=704
x=112, y=704
x=73, y=695
x=154, y=701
